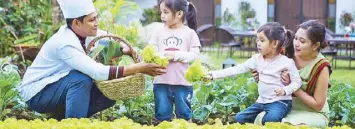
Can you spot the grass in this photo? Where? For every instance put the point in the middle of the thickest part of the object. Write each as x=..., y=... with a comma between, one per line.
x=340, y=74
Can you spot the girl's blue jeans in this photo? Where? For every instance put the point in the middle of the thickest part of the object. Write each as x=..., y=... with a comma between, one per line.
x=164, y=97
x=275, y=111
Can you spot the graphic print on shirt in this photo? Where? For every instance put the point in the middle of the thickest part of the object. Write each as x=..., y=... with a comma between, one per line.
x=172, y=43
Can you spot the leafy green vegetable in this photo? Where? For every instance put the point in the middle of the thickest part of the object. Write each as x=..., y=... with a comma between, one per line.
x=111, y=53
x=342, y=104
x=9, y=78
x=150, y=55
x=222, y=98
x=196, y=72
x=26, y=39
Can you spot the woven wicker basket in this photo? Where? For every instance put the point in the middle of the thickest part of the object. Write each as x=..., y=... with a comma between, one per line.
x=125, y=87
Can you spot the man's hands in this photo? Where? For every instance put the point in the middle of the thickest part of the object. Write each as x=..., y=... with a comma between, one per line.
x=151, y=69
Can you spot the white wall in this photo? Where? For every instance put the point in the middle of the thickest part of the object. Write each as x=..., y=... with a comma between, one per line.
x=260, y=7
x=343, y=5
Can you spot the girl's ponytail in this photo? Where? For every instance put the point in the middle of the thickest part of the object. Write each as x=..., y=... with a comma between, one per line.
x=191, y=16
x=275, y=31
x=288, y=48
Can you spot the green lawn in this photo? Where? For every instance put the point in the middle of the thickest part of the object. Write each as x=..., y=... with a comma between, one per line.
x=340, y=74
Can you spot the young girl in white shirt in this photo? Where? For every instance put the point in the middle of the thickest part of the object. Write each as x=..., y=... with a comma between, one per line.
x=274, y=98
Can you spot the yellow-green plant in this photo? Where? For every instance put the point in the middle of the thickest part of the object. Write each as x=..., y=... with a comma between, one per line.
x=196, y=72
x=113, y=11
x=125, y=123
x=150, y=55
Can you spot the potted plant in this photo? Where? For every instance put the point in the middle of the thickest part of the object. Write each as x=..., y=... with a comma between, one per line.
x=30, y=41
x=345, y=20
x=247, y=16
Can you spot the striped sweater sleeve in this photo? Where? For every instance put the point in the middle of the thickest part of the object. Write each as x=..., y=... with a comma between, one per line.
x=115, y=72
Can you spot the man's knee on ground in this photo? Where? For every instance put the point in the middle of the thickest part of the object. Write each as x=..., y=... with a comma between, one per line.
x=82, y=78
x=110, y=104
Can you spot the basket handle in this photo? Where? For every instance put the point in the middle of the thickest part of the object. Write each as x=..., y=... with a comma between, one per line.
x=133, y=54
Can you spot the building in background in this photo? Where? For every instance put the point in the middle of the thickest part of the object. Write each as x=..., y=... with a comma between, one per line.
x=288, y=12
x=293, y=12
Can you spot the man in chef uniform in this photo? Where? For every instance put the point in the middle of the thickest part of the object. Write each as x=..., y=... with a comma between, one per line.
x=61, y=78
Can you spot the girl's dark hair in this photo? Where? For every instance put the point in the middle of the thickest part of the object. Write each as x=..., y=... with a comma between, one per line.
x=183, y=5
x=275, y=31
x=315, y=32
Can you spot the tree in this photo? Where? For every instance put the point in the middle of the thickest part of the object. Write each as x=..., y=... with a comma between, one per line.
x=57, y=15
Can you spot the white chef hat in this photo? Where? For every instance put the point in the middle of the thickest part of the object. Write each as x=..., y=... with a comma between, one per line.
x=76, y=8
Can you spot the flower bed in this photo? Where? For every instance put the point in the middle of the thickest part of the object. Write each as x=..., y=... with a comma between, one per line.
x=125, y=123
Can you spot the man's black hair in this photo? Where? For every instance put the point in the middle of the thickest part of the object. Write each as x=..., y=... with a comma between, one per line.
x=70, y=20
